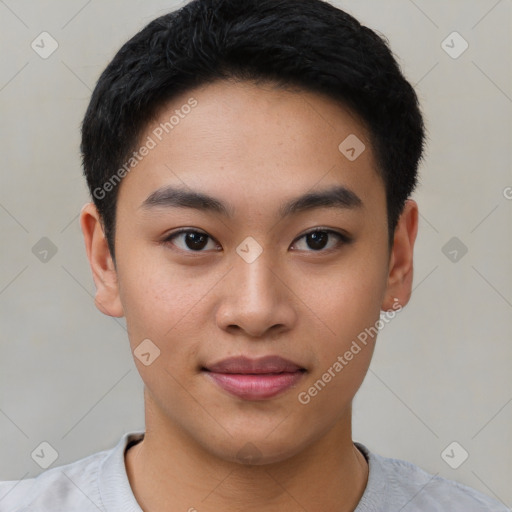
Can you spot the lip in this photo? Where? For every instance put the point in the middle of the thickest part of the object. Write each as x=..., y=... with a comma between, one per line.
x=242, y=364
x=255, y=379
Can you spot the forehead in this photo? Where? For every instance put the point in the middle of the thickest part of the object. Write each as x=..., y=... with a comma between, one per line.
x=255, y=142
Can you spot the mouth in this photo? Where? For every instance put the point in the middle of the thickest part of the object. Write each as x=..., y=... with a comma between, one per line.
x=255, y=379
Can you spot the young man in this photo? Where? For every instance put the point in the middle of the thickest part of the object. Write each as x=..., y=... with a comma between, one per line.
x=251, y=165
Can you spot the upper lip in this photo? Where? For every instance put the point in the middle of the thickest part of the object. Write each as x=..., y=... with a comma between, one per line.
x=242, y=364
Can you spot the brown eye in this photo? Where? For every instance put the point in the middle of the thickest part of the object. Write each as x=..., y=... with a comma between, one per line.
x=318, y=240
x=191, y=240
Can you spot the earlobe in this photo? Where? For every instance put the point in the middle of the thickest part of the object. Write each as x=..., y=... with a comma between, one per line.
x=104, y=273
x=400, y=274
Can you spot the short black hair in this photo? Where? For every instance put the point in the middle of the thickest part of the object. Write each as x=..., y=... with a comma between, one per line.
x=309, y=44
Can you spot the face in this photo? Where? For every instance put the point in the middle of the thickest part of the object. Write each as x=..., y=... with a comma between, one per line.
x=251, y=271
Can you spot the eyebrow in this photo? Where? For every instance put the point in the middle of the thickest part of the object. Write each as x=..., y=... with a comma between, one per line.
x=176, y=197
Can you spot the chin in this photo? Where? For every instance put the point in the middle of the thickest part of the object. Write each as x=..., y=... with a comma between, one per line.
x=256, y=450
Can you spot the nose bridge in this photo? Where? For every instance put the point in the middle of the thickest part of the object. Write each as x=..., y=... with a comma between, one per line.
x=257, y=299
x=255, y=275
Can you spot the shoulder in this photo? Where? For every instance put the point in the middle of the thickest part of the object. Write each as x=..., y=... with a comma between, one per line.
x=69, y=487
x=402, y=484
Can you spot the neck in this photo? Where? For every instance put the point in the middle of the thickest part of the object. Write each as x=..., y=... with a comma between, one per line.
x=168, y=471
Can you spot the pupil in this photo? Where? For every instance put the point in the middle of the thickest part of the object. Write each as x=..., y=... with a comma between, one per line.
x=195, y=240
x=318, y=238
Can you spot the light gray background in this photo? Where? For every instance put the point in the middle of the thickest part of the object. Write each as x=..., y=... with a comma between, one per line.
x=441, y=370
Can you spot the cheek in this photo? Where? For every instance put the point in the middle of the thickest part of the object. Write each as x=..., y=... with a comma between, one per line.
x=158, y=300
x=159, y=308
x=347, y=299
x=345, y=343
x=348, y=306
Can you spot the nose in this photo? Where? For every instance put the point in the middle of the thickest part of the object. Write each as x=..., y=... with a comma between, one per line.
x=257, y=299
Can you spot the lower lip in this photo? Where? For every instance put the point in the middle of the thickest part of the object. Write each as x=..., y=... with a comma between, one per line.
x=255, y=387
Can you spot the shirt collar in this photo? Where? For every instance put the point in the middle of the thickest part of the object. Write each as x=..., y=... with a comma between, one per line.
x=114, y=486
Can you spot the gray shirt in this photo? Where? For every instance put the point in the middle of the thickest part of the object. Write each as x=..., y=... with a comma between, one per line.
x=99, y=483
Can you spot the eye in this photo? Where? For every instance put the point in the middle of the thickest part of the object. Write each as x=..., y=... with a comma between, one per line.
x=318, y=238
x=193, y=241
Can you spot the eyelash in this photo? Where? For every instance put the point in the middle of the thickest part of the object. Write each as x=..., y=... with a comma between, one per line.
x=342, y=239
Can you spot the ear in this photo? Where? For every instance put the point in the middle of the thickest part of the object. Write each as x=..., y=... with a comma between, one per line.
x=400, y=273
x=104, y=273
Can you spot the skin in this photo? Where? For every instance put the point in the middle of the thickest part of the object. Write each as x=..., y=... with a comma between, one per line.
x=253, y=147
